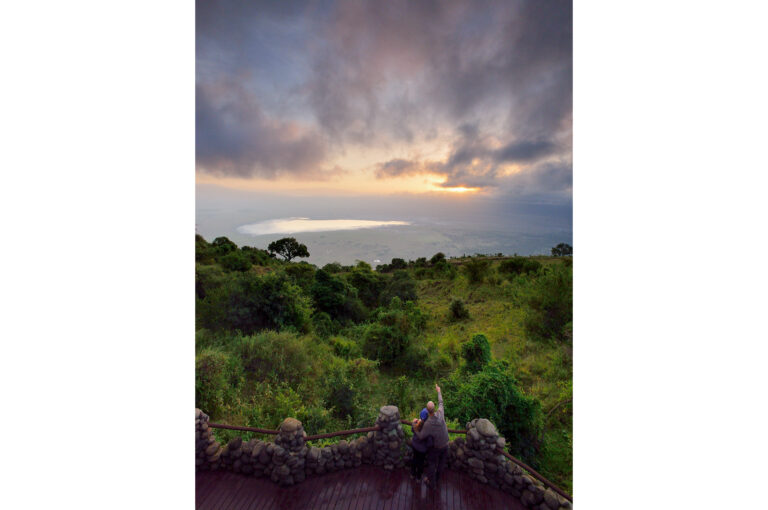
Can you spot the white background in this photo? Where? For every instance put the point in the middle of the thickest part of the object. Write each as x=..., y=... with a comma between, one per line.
x=97, y=218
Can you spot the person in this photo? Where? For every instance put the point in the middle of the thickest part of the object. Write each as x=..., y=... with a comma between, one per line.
x=420, y=447
x=435, y=427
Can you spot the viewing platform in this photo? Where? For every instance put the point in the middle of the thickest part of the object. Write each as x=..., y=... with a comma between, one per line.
x=364, y=473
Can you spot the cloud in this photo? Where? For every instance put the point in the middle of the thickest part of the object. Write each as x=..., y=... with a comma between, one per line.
x=489, y=79
x=235, y=137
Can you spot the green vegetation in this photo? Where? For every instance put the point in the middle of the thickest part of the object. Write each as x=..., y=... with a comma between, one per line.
x=330, y=346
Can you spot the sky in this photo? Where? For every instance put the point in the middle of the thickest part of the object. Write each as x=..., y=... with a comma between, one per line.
x=448, y=101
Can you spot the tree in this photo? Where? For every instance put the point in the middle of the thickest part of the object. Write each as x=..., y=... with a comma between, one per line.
x=476, y=353
x=222, y=246
x=288, y=248
x=493, y=393
x=562, y=250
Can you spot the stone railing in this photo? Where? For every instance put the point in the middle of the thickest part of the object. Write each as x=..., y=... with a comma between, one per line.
x=288, y=460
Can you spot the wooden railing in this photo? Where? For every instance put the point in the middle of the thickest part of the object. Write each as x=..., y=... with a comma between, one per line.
x=518, y=462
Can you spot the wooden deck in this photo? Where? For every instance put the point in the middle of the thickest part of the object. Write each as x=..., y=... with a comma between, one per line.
x=363, y=488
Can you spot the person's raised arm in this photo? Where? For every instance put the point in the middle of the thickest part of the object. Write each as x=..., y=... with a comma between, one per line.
x=440, y=402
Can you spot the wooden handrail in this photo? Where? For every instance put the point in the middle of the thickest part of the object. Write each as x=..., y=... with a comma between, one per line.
x=342, y=433
x=246, y=429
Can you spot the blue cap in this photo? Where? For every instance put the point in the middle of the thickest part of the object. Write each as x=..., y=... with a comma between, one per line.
x=423, y=414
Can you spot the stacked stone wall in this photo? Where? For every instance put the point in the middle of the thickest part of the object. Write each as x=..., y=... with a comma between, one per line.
x=207, y=449
x=288, y=460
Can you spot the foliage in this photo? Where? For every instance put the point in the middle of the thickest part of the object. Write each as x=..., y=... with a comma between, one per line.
x=493, y=393
x=401, y=286
x=333, y=268
x=222, y=245
x=458, y=310
x=437, y=258
x=519, y=265
x=235, y=261
x=332, y=295
x=301, y=274
x=250, y=303
x=288, y=248
x=548, y=301
x=369, y=285
x=476, y=353
x=476, y=269
x=387, y=339
x=256, y=256
x=562, y=250
x=208, y=278
x=217, y=376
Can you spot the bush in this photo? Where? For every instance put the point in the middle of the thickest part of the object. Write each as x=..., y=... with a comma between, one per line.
x=476, y=353
x=221, y=246
x=519, y=265
x=217, y=376
x=301, y=274
x=208, y=278
x=332, y=268
x=257, y=256
x=493, y=393
x=203, y=250
x=401, y=286
x=437, y=258
x=279, y=357
x=337, y=298
x=235, y=261
x=458, y=310
x=250, y=303
x=476, y=269
x=369, y=285
x=548, y=303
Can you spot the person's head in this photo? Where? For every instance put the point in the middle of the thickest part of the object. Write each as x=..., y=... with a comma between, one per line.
x=423, y=414
x=431, y=408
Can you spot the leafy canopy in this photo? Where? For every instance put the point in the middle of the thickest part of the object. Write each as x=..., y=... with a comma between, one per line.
x=288, y=248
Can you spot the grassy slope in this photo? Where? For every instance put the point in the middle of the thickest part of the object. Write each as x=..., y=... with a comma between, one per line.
x=544, y=371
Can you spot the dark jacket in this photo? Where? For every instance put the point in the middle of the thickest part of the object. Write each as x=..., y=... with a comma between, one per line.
x=421, y=445
x=435, y=427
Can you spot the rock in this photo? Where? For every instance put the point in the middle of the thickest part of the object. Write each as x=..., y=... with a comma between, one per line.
x=486, y=428
x=283, y=470
x=474, y=435
x=475, y=463
x=551, y=499
x=501, y=443
x=197, y=413
x=235, y=443
x=566, y=505
x=343, y=446
x=388, y=411
x=314, y=453
x=290, y=425
x=394, y=445
x=211, y=449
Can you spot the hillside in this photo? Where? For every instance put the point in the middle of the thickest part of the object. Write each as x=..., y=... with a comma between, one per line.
x=331, y=345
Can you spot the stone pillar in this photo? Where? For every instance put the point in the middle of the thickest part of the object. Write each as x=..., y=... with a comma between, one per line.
x=479, y=456
x=207, y=449
x=389, y=440
x=289, y=453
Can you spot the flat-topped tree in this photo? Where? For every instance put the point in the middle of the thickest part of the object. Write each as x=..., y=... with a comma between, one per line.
x=288, y=248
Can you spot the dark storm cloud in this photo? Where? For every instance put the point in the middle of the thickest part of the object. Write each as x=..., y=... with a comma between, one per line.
x=491, y=78
x=235, y=137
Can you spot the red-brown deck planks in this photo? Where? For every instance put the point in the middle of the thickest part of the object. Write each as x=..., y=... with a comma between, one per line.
x=363, y=488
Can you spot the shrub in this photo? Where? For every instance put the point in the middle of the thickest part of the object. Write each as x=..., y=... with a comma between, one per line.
x=476, y=353
x=208, y=278
x=235, y=261
x=203, y=250
x=493, y=393
x=398, y=264
x=476, y=269
x=401, y=286
x=217, y=375
x=301, y=274
x=257, y=256
x=221, y=246
x=332, y=268
x=250, y=303
x=458, y=310
x=437, y=258
x=519, y=265
x=337, y=298
x=279, y=357
x=548, y=303
x=369, y=285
